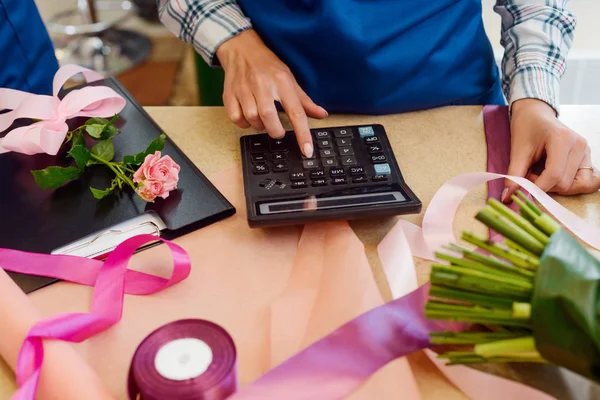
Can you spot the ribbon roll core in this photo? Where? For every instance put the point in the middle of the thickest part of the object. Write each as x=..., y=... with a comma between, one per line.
x=188, y=359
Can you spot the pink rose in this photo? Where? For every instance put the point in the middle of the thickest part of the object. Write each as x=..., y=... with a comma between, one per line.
x=150, y=190
x=157, y=176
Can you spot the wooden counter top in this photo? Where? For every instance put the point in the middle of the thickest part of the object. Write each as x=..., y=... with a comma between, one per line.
x=431, y=147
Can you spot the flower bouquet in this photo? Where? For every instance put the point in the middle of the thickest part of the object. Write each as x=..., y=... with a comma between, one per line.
x=533, y=298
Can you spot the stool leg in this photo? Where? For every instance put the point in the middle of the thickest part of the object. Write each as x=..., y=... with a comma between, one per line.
x=88, y=10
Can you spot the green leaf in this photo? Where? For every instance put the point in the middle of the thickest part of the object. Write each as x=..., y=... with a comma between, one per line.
x=100, y=194
x=129, y=160
x=104, y=149
x=81, y=155
x=95, y=130
x=101, y=129
x=55, y=177
x=156, y=145
x=78, y=139
x=565, y=306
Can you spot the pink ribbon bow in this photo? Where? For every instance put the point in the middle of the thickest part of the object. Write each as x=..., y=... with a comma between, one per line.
x=47, y=135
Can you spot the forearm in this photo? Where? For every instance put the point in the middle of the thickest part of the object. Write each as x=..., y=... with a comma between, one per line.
x=204, y=24
x=537, y=36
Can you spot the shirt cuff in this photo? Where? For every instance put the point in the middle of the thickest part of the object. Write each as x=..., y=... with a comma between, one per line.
x=225, y=23
x=535, y=82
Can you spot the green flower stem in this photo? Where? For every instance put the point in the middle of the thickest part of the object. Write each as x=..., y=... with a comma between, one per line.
x=471, y=337
x=525, y=211
x=117, y=172
x=503, y=348
x=517, y=280
x=476, y=315
x=517, y=247
x=531, y=205
x=483, y=300
x=520, y=285
x=491, y=262
x=521, y=310
x=518, y=259
x=519, y=221
x=494, y=220
x=547, y=224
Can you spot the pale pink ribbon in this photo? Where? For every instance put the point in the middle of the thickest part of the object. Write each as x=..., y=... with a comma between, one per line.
x=439, y=217
x=47, y=135
x=111, y=280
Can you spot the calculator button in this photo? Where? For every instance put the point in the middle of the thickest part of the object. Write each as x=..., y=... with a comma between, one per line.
x=266, y=182
x=382, y=169
x=258, y=144
x=260, y=169
x=319, y=182
x=360, y=179
x=348, y=160
x=366, y=131
x=280, y=167
x=324, y=144
x=379, y=178
x=322, y=135
x=297, y=176
x=278, y=157
x=375, y=149
x=327, y=153
x=259, y=157
x=378, y=158
x=317, y=174
x=330, y=162
x=299, y=185
x=371, y=139
x=278, y=145
x=339, y=181
x=337, y=171
x=346, y=151
x=342, y=132
x=357, y=170
x=343, y=142
x=310, y=164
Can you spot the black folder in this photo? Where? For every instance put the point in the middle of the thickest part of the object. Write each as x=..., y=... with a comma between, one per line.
x=44, y=220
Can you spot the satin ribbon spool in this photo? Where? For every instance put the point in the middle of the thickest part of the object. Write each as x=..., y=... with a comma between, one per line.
x=188, y=359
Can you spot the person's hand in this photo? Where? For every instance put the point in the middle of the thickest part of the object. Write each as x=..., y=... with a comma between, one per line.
x=254, y=79
x=536, y=132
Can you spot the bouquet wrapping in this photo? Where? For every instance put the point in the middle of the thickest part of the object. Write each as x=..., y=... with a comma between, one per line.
x=532, y=298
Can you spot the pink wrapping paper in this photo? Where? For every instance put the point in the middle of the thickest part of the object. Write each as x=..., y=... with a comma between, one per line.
x=275, y=291
x=17, y=316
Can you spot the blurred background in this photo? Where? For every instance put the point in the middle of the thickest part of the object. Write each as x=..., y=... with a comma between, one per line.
x=124, y=38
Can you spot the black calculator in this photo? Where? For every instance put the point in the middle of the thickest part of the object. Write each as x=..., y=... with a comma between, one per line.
x=353, y=174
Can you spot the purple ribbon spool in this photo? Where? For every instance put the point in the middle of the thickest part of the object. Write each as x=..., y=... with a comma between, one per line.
x=189, y=359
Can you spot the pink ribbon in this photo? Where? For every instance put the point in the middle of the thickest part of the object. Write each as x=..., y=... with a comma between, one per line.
x=111, y=280
x=47, y=135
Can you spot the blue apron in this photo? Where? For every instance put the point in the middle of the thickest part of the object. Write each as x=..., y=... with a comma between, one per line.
x=27, y=60
x=382, y=56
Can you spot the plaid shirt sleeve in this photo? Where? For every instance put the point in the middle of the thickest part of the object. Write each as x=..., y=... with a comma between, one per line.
x=203, y=23
x=536, y=36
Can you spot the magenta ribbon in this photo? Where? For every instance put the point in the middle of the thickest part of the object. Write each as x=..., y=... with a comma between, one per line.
x=111, y=280
x=338, y=364
x=47, y=135
x=497, y=134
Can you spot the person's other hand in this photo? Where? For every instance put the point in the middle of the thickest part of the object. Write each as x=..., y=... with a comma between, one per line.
x=537, y=132
x=254, y=79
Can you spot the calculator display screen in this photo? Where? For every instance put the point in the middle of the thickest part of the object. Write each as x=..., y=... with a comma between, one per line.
x=314, y=204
